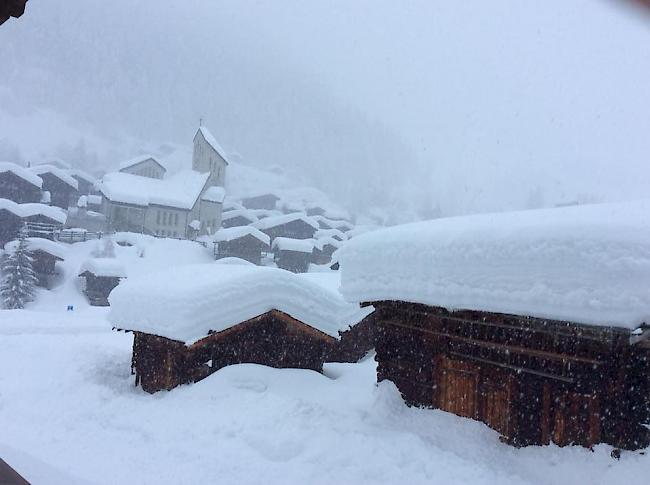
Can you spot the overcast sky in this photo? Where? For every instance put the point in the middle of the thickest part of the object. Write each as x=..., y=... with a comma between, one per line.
x=403, y=105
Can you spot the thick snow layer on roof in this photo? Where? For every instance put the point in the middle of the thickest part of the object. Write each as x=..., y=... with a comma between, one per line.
x=212, y=141
x=34, y=209
x=40, y=244
x=59, y=173
x=22, y=172
x=324, y=241
x=74, y=172
x=232, y=214
x=214, y=194
x=264, y=213
x=276, y=221
x=290, y=244
x=587, y=264
x=108, y=267
x=328, y=233
x=181, y=190
x=237, y=232
x=56, y=162
x=140, y=159
x=185, y=303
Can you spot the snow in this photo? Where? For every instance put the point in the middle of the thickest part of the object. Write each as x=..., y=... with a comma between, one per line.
x=245, y=213
x=232, y=233
x=587, y=264
x=139, y=159
x=212, y=141
x=214, y=194
x=94, y=199
x=235, y=261
x=180, y=190
x=290, y=244
x=274, y=221
x=185, y=303
x=21, y=172
x=33, y=209
x=328, y=233
x=264, y=213
x=82, y=201
x=107, y=267
x=41, y=244
x=59, y=173
x=324, y=241
x=195, y=224
x=300, y=199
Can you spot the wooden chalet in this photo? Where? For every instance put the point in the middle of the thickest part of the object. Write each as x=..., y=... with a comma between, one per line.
x=293, y=255
x=274, y=339
x=244, y=242
x=19, y=184
x=236, y=218
x=295, y=226
x=262, y=201
x=41, y=220
x=506, y=319
x=254, y=314
x=102, y=275
x=61, y=186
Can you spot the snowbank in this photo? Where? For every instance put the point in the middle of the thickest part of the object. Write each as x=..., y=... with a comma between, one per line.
x=22, y=172
x=181, y=190
x=232, y=233
x=588, y=264
x=107, y=267
x=185, y=303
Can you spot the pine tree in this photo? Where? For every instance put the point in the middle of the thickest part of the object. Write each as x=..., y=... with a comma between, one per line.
x=18, y=278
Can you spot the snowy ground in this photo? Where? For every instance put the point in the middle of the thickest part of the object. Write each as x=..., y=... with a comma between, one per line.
x=69, y=413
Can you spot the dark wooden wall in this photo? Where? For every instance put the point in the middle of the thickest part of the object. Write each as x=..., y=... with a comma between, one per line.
x=273, y=339
x=294, y=261
x=62, y=195
x=248, y=248
x=532, y=380
x=15, y=188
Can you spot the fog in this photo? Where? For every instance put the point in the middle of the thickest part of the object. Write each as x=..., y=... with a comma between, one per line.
x=416, y=109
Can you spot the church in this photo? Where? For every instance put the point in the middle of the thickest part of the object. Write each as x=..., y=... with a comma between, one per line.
x=183, y=205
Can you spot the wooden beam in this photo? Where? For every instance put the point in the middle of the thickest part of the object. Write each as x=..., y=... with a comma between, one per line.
x=502, y=347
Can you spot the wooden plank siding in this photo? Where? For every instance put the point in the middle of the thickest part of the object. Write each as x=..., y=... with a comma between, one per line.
x=532, y=380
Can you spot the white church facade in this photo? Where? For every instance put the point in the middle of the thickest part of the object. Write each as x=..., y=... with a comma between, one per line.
x=184, y=205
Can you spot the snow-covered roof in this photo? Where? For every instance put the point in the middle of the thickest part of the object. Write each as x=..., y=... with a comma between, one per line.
x=59, y=173
x=324, y=241
x=22, y=172
x=74, y=172
x=34, y=209
x=276, y=221
x=588, y=264
x=214, y=194
x=335, y=233
x=264, y=213
x=212, y=141
x=180, y=190
x=57, y=162
x=230, y=204
x=107, y=267
x=41, y=244
x=296, y=245
x=245, y=213
x=139, y=159
x=181, y=301
x=238, y=232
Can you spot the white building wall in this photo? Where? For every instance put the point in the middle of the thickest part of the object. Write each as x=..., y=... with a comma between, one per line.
x=207, y=159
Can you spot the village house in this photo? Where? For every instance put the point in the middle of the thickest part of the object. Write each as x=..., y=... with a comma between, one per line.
x=295, y=226
x=102, y=275
x=184, y=205
x=324, y=247
x=529, y=322
x=265, y=201
x=144, y=166
x=265, y=316
x=239, y=217
x=59, y=184
x=45, y=254
x=19, y=184
x=43, y=220
x=293, y=255
x=243, y=242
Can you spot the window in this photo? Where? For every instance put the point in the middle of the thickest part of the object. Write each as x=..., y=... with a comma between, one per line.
x=158, y=217
x=176, y=219
x=164, y=218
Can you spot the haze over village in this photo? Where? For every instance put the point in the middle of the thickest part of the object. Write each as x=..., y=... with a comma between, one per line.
x=324, y=242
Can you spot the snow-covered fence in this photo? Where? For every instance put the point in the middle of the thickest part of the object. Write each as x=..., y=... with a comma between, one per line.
x=72, y=236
